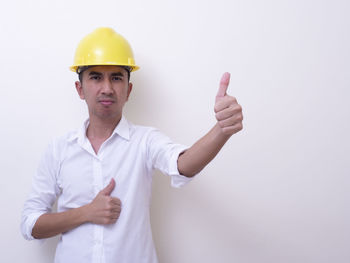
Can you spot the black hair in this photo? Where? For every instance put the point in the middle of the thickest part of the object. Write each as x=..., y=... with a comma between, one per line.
x=81, y=70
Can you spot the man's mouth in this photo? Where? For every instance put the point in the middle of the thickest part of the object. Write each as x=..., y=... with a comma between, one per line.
x=106, y=102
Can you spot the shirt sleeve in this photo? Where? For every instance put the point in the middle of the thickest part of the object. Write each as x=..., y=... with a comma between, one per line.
x=163, y=155
x=43, y=193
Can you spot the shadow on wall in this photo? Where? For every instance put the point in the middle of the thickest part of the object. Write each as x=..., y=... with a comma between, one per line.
x=187, y=222
x=193, y=225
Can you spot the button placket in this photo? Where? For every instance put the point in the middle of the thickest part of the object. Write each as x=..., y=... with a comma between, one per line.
x=98, y=230
x=97, y=175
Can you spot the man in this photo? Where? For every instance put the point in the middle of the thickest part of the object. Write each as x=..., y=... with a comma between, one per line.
x=101, y=175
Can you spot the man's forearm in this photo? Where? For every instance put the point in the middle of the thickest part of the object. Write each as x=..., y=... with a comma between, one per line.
x=229, y=118
x=193, y=160
x=104, y=209
x=52, y=224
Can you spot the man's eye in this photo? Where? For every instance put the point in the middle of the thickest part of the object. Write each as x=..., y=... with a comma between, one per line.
x=117, y=78
x=95, y=77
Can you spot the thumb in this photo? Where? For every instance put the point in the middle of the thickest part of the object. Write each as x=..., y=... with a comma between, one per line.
x=224, y=82
x=109, y=188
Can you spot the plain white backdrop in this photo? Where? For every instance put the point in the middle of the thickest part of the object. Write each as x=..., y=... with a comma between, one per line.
x=277, y=192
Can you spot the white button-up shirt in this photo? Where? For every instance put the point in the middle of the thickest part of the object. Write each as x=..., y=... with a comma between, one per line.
x=72, y=172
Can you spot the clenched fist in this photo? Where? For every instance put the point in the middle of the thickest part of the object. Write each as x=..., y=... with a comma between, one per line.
x=104, y=209
x=227, y=111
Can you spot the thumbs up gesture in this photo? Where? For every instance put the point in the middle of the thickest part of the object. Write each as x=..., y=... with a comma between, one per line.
x=104, y=209
x=228, y=112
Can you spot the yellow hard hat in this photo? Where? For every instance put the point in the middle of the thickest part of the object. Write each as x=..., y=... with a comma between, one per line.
x=104, y=46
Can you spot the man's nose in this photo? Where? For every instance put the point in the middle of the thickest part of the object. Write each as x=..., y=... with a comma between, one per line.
x=107, y=87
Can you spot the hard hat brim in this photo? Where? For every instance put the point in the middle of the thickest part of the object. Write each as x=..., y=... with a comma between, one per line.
x=74, y=68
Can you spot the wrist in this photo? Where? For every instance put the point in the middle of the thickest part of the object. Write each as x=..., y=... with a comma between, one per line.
x=85, y=213
x=220, y=134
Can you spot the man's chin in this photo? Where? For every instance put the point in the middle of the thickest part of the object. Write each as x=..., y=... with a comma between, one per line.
x=109, y=116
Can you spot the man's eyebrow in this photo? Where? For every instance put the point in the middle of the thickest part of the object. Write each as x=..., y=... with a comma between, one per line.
x=94, y=73
x=119, y=74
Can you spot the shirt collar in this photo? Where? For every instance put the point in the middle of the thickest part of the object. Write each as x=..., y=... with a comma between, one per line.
x=122, y=129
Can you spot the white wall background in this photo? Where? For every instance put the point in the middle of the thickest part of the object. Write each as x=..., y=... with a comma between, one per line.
x=277, y=192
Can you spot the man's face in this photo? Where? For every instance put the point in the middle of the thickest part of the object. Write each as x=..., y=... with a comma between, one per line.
x=105, y=90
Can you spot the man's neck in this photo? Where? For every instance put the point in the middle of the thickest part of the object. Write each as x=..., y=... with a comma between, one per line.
x=101, y=129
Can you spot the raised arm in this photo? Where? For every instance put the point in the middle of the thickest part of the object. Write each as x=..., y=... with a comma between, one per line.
x=229, y=121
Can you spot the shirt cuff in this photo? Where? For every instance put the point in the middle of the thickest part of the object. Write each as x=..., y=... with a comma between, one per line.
x=178, y=180
x=28, y=224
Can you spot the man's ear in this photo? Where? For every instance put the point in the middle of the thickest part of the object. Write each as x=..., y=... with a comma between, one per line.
x=129, y=90
x=79, y=89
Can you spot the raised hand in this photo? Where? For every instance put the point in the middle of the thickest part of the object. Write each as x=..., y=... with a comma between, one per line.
x=104, y=209
x=228, y=112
